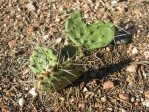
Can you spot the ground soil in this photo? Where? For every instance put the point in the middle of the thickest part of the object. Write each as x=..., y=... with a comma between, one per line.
x=24, y=28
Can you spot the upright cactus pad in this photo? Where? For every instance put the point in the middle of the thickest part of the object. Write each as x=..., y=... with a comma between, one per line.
x=53, y=74
x=97, y=35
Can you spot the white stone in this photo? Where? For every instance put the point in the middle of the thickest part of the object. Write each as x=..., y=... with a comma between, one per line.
x=21, y=101
x=135, y=50
x=45, y=37
x=31, y=7
x=114, y=2
x=85, y=89
x=146, y=54
x=146, y=103
x=86, y=15
x=131, y=68
x=58, y=40
x=57, y=19
x=33, y=92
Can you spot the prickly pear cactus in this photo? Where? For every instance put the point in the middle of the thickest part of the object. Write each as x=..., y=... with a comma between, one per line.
x=42, y=58
x=97, y=35
x=53, y=74
x=60, y=77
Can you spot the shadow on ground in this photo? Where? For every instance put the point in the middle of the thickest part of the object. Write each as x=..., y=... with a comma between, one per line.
x=101, y=72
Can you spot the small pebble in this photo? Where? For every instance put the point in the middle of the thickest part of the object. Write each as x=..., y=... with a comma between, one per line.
x=104, y=99
x=138, y=99
x=146, y=103
x=146, y=93
x=107, y=49
x=142, y=99
x=135, y=50
x=86, y=15
x=66, y=42
x=31, y=29
x=57, y=19
x=85, y=89
x=108, y=85
x=31, y=7
x=132, y=99
x=110, y=109
x=99, y=91
x=114, y=2
x=122, y=110
x=12, y=43
x=132, y=68
x=81, y=105
x=33, y=92
x=146, y=54
x=123, y=96
x=21, y=101
x=96, y=6
x=58, y=40
x=45, y=37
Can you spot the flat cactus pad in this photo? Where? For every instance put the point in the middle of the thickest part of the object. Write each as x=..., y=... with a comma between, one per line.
x=100, y=34
x=41, y=59
x=52, y=73
x=61, y=77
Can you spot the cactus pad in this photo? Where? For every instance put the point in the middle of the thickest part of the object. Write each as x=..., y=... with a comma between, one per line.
x=41, y=59
x=60, y=77
x=97, y=35
x=51, y=73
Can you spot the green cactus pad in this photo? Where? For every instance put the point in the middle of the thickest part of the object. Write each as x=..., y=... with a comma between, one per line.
x=60, y=77
x=52, y=74
x=100, y=34
x=41, y=59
